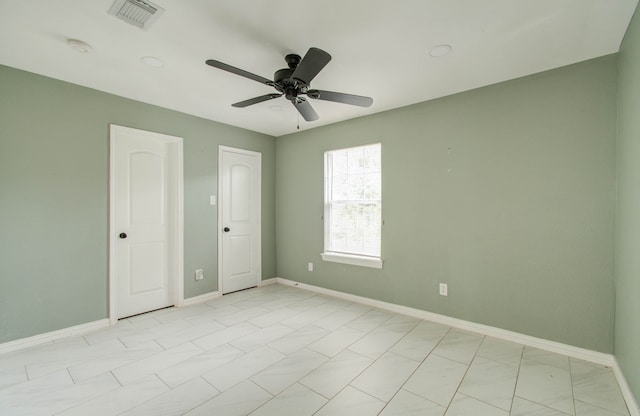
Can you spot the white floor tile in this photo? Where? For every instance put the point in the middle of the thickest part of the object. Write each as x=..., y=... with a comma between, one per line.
x=437, y=379
x=298, y=339
x=307, y=316
x=284, y=373
x=116, y=359
x=273, y=317
x=225, y=336
x=408, y=404
x=420, y=341
x=336, y=341
x=154, y=363
x=343, y=316
x=304, y=401
x=351, y=401
x=261, y=337
x=242, y=368
x=188, y=334
x=385, y=376
x=546, y=357
x=240, y=400
x=542, y=383
x=459, y=346
x=176, y=402
x=502, y=351
x=335, y=374
x=26, y=397
x=160, y=331
x=66, y=353
x=596, y=385
x=376, y=342
x=280, y=350
x=586, y=409
x=242, y=316
x=198, y=365
x=120, y=399
x=370, y=320
x=53, y=394
x=491, y=382
x=467, y=406
x=523, y=407
x=12, y=374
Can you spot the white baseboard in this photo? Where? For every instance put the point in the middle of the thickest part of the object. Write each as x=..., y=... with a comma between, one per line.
x=53, y=336
x=557, y=347
x=530, y=341
x=632, y=404
x=201, y=298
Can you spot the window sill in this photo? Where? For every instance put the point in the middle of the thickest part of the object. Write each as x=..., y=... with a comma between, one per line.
x=352, y=259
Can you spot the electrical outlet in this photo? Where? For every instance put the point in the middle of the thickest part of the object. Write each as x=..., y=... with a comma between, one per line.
x=310, y=266
x=444, y=289
x=199, y=274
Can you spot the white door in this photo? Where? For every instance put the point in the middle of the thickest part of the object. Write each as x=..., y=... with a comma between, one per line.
x=145, y=220
x=239, y=219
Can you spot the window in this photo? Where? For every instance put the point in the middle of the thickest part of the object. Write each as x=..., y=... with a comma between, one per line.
x=353, y=206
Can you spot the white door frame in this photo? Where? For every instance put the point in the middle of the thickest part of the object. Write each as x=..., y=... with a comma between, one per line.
x=176, y=252
x=221, y=150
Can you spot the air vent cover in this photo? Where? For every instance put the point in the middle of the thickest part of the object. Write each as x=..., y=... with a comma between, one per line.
x=136, y=12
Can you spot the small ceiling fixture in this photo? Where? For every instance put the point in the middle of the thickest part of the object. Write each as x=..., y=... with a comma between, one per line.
x=152, y=61
x=440, y=50
x=78, y=45
x=139, y=13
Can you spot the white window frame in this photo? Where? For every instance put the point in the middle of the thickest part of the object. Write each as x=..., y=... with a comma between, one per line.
x=336, y=256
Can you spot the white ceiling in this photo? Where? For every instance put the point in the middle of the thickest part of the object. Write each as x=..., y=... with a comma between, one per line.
x=380, y=48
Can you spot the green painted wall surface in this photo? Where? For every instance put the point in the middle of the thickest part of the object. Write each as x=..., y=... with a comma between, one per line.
x=54, y=190
x=627, y=328
x=505, y=193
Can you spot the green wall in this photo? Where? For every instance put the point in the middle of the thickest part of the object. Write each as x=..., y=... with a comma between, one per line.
x=54, y=145
x=506, y=193
x=627, y=328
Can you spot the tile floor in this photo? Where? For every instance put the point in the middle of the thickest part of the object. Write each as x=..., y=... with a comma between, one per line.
x=279, y=350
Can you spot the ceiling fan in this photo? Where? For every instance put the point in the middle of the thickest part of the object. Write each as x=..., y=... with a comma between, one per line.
x=294, y=81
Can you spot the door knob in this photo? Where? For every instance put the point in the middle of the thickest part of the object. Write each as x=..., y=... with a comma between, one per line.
x=226, y=229
x=123, y=235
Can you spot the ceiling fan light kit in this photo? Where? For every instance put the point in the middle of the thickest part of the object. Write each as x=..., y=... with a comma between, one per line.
x=295, y=81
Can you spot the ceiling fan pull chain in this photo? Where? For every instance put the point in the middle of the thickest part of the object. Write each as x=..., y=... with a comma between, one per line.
x=298, y=121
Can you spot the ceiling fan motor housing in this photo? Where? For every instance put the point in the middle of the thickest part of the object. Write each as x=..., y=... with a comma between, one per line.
x=289, y=86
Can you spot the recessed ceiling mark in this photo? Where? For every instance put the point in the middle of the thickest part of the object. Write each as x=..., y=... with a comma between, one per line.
x=152, y=61
x=439, y=51
x=78, y=45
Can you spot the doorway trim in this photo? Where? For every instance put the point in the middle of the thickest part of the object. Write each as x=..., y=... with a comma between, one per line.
x=176, y=237
x=221, y=150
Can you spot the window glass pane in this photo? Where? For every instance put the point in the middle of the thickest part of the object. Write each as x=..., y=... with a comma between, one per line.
x=355, y=228
x=354, y=200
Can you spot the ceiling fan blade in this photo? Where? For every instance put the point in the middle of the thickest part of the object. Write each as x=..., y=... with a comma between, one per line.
x=237, y=71
x=256, y=100
x=304, y=108
x=311, y=65
x=340, y=97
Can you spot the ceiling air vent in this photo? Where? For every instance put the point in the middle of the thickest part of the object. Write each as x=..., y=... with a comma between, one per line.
x=136, y=12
